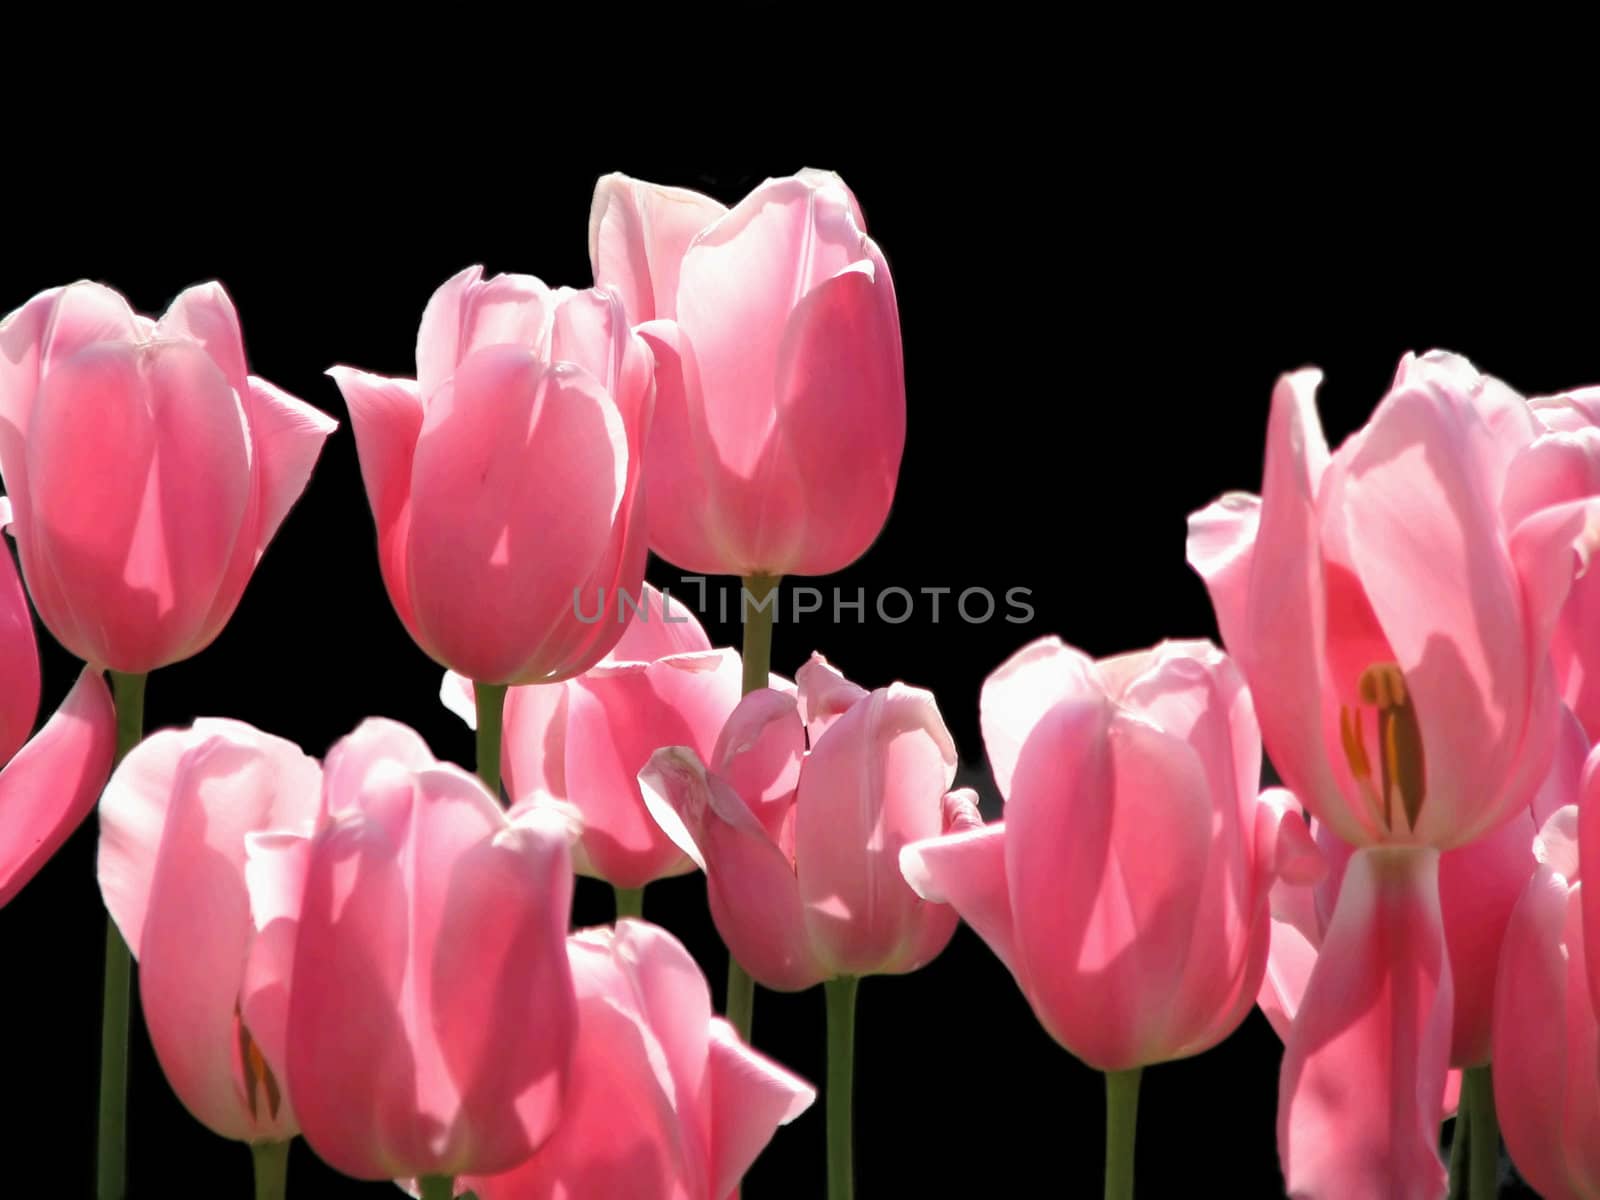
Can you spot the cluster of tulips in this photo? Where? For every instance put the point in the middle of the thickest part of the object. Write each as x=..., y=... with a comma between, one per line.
x=373, y=951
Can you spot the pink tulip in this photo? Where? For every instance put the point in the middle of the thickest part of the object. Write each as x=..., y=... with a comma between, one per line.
x=781, y=412
x=1546, y=1041
x=1127, y=888
x=801, y=848
x=586, y=740
x=49, y=784
x=186, y=822
x=430, y=1013
x=147, y=469
x=1391, y=605
x=505, y=480
x=666, y=1103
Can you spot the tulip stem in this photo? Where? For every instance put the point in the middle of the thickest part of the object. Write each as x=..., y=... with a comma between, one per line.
x=841, y=997
x=111, y=1161
x=491, y=698
x=272, y=1169
x=436, y=1187
x=1122, y=1117
x=758, y=604
x=1458, y=1155
x=630, y=902
x=1483, y=1152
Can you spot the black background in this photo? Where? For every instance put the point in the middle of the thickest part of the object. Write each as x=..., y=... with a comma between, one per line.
x=1091, y=337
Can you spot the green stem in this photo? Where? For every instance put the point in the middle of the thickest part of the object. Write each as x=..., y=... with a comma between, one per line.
x=1122, y=1117
x=111, y=1161
x=436, y=1187
x=491, y=698
x=1483, y=1153
x=841, y=997
x=1458, y=1155
x=272, y=1169
x=756, y=615
x=630, y=902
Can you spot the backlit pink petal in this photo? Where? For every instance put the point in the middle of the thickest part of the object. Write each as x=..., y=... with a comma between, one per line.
x=758, y=754
x=1421, y=524
x=1108, y=831
x=638, y=234
x=967, y=871
x=1589, y=851
x=1374, y=1023
x=1018, y=693
x=874, y=782
x=386, y=417
x=469, y=313
x=750, y=1098
x=684, y=526
x=1285, y=848
x=751, y=885
x=205, y=314
x=288, y=435
x=660, y=626
x=275, y=877
x=195, y=940
x=617, y=717
x=1222, y=539
x=19, y=653
x=842, y=404
x=374, y=743
x=825, y=695
x=159, y=429
x=51, y=784
x=516, y=483
x=1283, y=986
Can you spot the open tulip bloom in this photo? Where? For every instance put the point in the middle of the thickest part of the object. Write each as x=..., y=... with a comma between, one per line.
x=373, y=952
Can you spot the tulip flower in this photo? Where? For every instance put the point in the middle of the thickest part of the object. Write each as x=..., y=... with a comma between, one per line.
x=1127, y=888
x=1546, y=1040
x=505, y=480
x=801, y=847
x=665, y=1101
x=780, y=415
x=184, y=825
x=1391, y=607
x=586, y=740
x=48, y=784
x=147, y=469
x=430, y=1005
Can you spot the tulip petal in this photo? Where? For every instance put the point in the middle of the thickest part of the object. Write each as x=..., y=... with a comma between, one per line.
x=841, y=426
x=659, y=629
x=516, y=483
x=1364, y=1066
x=1020, y=691
x=205, y=314
x=751, y=1097
x=824, y=694
x=751, y=885
x=758, y=754
x=19, y=653
x=638, y=235
x=616, y=718
x=275, y=877
x=51, y=785
x=288, y=435
x=1221, y=545
x=376, y=741
x=967, y=871
x=873, y=783
x=386, y=416
x=469, y=313
x=194, y=943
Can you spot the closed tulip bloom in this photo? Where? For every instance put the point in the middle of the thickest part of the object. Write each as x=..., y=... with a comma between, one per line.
x=1546, y=1040
x=780, y=414
x=585, y=740
x=666, y=1103
x=431, y=1013
x=146, y=468
x=47, y=785
x=1391, y=605
x=801, y=848
x=1127, y=887
x=183, y=818
x=506, y=479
